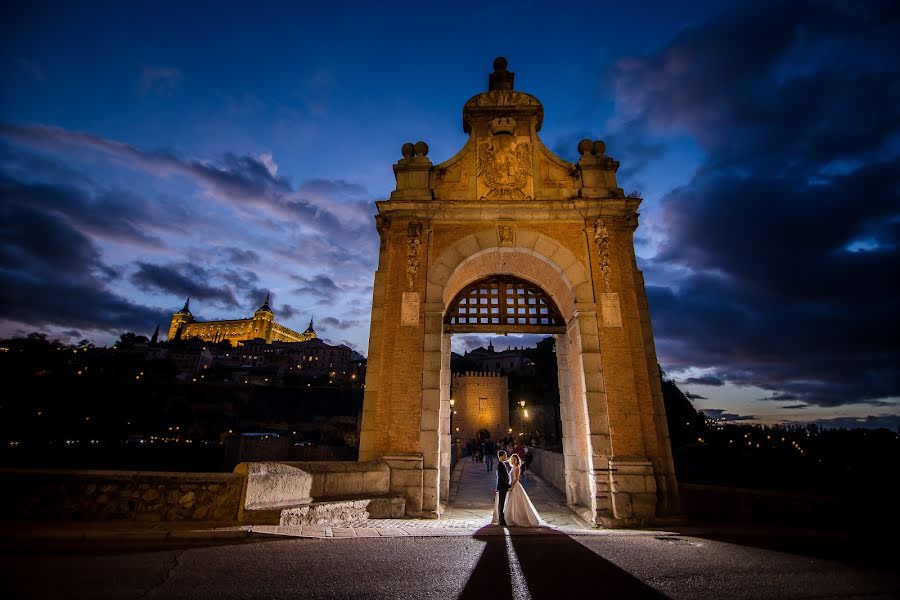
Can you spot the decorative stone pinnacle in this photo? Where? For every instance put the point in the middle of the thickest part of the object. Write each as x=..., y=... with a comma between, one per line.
x=500, y=79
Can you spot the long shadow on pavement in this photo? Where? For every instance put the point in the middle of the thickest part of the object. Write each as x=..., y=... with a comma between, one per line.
x=553, y=566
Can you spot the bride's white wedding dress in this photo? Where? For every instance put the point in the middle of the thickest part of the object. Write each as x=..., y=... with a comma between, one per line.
x=519, y=511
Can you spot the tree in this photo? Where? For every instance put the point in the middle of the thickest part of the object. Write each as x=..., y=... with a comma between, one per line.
x=129, y=339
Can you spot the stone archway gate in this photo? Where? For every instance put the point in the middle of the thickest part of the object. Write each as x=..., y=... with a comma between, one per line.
x=506, y=205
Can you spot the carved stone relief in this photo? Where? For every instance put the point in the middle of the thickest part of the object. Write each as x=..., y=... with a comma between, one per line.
x=413, y=242
x=504, y=164
x=601, y=238
x=505, y=235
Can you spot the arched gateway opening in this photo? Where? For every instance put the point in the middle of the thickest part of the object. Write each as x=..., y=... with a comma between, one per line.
x=506, y=237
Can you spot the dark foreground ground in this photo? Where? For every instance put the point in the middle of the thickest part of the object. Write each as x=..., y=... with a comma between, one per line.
x=685, y=564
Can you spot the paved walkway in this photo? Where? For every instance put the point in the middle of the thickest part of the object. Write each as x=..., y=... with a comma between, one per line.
x=472, y=497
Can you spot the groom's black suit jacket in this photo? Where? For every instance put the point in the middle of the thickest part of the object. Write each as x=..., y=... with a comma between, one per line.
x=502, y=476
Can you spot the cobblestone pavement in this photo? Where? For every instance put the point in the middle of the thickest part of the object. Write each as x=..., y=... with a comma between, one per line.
x=468, y=510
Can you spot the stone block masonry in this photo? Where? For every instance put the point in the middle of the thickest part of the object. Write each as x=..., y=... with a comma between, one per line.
x=63, y=495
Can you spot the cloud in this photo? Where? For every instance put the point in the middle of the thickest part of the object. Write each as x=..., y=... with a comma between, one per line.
x=691, y=396
x=795, y=406
x=285, y=311
x=185, y=279
x=326, y=289
x=112, y=215
x=891, y=422
x=320, y=222
x=703, y=380
x=161, y=81
x=718, y=413
x=240, y=256
x=331, y=322
x=767, y=281
x=52, y=275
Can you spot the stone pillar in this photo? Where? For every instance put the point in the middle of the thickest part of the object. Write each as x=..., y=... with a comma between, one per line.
x=407, y=478
x=435, y=409
x=446, y=435
x=623, y=466
x=574, y=416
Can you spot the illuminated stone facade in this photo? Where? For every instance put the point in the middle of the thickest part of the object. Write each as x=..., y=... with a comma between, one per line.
x=261, y=326
x=506, y=206
x=481, y=402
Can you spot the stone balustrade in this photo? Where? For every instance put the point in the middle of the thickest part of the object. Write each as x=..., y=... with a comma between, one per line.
x=551, y=466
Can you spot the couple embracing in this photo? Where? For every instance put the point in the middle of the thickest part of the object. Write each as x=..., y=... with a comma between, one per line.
x=512, y=506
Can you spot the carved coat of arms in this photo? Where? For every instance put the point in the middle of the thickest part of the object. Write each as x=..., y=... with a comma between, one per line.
x=505, y=168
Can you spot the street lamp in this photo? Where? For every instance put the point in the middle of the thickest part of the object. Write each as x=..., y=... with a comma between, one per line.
x=522, y=418
x=452, y=404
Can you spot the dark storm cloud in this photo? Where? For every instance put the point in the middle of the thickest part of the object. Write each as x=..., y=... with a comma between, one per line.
x=285, y=311
x=330, y=322
x=185, y=279
x=788, y=233
x=112, y=215
x=703, y=380
x=795, y=406
x=51, y=274
x=241, y=256
x=891, y=422
x=326, y=289
x=318, y=285
x=334, y=213
x=718, y=413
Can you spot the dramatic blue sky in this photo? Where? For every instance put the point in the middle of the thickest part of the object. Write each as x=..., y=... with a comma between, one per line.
x=151, y=151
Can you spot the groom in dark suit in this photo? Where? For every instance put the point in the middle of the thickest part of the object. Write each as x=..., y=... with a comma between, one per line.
x=502, y=485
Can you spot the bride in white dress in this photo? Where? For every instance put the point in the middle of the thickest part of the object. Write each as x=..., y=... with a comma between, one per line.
x=519, y=511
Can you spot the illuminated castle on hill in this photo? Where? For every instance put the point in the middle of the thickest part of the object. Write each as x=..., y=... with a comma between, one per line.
x=261, y=325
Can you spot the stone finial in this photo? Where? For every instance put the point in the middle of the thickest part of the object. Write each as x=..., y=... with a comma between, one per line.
x=500, y=79
x=597, y=148
x=417, y=150
x=598, y=171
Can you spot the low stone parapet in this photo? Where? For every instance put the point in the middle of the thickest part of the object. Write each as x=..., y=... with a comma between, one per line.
x=70, y=495
x=306, y=487
x=551, y=466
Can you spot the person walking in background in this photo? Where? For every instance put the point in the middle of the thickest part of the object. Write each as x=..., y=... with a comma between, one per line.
x=489, y=450
x=526, y=466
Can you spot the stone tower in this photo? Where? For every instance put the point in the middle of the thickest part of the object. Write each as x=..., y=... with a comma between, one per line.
x=482, y=404
x=181, y=319
x=507, y=237
x=263, y=321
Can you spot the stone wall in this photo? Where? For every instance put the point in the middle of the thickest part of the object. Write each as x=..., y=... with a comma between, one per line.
x=63, y=495
x=551, y=466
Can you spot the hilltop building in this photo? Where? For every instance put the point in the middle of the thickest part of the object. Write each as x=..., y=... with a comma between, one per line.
x=504, y=362
x=261, y=326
